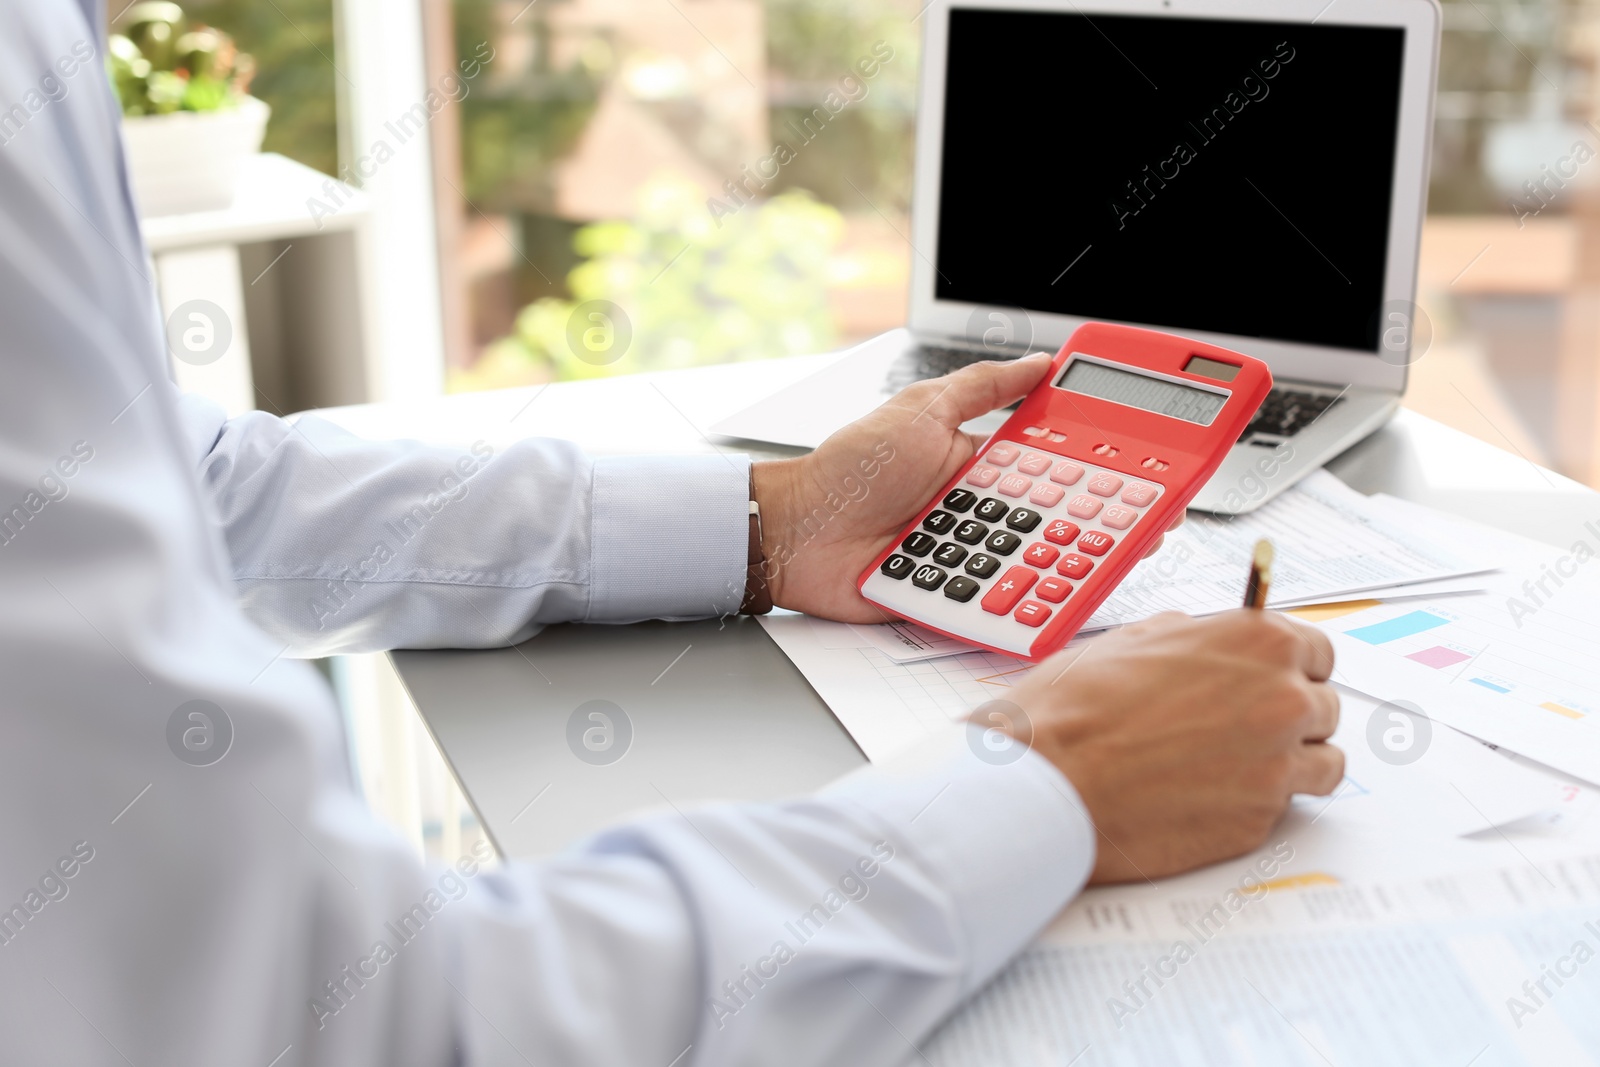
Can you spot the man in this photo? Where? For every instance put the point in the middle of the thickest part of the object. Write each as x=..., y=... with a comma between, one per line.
x=163, y=905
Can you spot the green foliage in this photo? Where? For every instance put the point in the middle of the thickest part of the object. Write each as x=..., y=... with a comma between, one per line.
x=518, y=122
x=159, y=65
x=693, y=292
x=293, y=42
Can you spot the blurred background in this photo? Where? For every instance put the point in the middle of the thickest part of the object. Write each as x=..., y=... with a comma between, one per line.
x=500, y=161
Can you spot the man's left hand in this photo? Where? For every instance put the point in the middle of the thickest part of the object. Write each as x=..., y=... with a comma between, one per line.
x=827, y=516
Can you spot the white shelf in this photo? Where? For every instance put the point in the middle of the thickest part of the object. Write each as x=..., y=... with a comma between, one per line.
x=271, y=205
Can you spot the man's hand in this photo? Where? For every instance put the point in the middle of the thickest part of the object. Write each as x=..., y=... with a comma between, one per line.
x=1186, y=738
x=826, y=516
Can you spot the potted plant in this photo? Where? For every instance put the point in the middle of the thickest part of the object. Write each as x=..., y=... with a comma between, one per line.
x=188, y=119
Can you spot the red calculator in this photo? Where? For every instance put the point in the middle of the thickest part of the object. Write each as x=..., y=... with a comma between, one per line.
x=1053, y=512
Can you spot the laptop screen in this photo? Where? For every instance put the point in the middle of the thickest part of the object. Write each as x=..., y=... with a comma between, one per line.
x=1194, y=174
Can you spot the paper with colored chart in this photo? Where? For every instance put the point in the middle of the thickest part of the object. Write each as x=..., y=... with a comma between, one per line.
x=1530, y=683
x=1517, y=665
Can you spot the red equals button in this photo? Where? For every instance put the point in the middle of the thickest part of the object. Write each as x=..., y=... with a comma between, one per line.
x=1032, y=613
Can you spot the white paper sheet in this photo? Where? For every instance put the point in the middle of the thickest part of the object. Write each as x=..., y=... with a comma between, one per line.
x=1492, y=664
x=1391, y=971
x=1456, y=786
x=1330, y=542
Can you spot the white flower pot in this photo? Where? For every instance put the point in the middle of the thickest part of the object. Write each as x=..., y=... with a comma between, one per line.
x=189, y=160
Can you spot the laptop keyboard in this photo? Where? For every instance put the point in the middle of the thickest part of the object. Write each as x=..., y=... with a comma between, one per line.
x=928, y=361
x=1283, y=414
x=1286, y=412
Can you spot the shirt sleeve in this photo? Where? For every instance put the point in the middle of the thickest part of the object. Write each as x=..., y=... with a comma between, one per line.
x=191, y=877
x=340, y=544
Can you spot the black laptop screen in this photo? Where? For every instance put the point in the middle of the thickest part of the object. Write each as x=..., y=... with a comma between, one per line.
x=1193, y=174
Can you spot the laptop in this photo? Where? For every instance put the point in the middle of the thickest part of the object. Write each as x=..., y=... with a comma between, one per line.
x=1249, y=173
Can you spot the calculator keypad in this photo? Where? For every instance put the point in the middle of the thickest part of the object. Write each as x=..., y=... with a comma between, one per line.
x=1075, y=566
x=1061, y=532
x=1023, y=520
x=1040, y=554
x=1046, y=495
x=982, y=476
x=1014, y=485
x=982, y=565
x=1008, y=562
x=1032, y=613
x=1002, y=543
x=959, y=500
x=961, y=588
x=1079, y=507
x=991, y=510
x=1009, y=589
x=1035, y=463
x=971, y=531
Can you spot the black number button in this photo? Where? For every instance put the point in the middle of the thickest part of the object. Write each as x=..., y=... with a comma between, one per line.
x=938, y=522
x=971, y=531
x=1024, y=520
x=961, y=588
x=928, y=576
x=992, y=510
x=959, y=500
x=1002, y=543
x=897, y=566
x=982, y=564
x=919, y=544
x=950, y=555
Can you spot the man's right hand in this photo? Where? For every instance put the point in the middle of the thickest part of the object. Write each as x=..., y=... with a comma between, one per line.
x=1186, y=738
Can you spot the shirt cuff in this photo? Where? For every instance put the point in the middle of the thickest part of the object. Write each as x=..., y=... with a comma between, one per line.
x=670, y=537
x=1011, y=842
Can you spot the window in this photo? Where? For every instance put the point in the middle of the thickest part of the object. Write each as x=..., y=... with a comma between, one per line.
x=655, y=185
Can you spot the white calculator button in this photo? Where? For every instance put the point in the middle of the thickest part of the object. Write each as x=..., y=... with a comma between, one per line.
x=1067, y=473
x=1138, y=494
x=982, y=477
x=1015, y=485
x=1118, y=517
x=1034, y=463
x=1002, y=454
x=1046, y=495
x=1104, y=484
x=1084, y=507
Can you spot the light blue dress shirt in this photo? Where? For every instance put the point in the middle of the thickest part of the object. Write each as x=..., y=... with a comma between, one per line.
x=161, y=906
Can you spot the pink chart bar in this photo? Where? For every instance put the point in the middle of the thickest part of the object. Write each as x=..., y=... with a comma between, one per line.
x=1439, y=657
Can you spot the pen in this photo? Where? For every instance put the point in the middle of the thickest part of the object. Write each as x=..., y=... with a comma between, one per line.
x=1255, y=589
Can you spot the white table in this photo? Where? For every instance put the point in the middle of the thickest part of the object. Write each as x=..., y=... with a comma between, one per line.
x=732, y=718
x=735, y=719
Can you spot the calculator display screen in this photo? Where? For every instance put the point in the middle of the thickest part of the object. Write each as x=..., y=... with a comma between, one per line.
x=1137, y=390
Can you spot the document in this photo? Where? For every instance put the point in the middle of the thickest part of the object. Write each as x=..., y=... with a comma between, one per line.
x=1491, y=967
x=1517, y=665
x=1330, y=541
x=1455, y=786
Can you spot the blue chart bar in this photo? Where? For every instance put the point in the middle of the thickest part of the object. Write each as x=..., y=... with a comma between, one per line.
x=1402, y=626
x=1490, y=685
